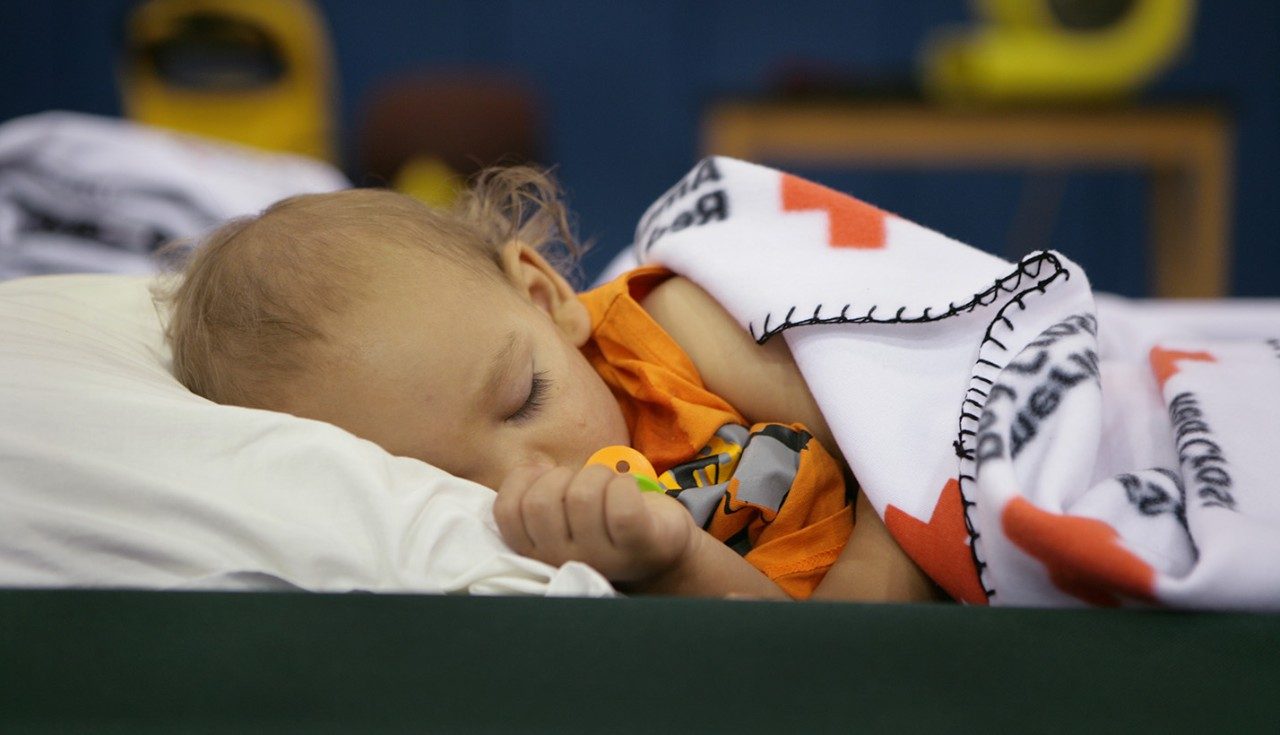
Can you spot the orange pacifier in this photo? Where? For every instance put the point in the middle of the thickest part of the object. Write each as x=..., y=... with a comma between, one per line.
x=627, y=461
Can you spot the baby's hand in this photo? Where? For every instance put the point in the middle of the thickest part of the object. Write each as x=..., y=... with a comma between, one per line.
x=594, y=516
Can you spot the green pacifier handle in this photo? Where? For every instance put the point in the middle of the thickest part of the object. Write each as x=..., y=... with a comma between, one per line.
x=648, y=484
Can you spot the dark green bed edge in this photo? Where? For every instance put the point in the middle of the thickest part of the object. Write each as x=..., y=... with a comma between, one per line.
x=114, y=661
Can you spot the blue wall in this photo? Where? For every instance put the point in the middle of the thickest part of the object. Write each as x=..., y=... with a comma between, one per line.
x=624, y=84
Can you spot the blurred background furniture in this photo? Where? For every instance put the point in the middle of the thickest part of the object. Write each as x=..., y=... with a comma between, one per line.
x=623, y=88
x=1187, y=152
x=424, y=132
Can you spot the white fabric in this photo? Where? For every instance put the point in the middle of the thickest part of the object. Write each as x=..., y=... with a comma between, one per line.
x=81, y=193
x=1018, y=459
x=113, y=474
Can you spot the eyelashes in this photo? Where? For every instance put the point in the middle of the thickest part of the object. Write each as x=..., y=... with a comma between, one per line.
x=538, y=389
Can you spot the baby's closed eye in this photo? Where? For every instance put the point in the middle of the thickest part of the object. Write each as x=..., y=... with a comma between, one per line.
x=539, y=385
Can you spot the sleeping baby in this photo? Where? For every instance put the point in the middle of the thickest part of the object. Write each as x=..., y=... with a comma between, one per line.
x=451, y=336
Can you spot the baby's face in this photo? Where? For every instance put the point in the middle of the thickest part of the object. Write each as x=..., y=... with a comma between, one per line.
x=472, y=375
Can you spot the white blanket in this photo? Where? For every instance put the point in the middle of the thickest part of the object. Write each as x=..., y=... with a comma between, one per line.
x=82, y=193
x=1022, y=450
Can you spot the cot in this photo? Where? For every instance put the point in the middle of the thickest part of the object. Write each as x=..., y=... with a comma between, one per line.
x=168, y=563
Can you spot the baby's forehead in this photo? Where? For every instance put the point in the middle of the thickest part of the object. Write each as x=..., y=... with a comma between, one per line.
x=433, y=334
x=408, y=287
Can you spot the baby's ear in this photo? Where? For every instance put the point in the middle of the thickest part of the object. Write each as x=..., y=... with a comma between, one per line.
x=542, y=285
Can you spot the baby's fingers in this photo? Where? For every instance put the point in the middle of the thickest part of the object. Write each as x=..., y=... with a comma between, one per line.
x=507, y=507
x=626, y=520
x=542, y=511
x=584, y=507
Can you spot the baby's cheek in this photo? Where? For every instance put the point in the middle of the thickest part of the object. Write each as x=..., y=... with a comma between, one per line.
x=599, y=419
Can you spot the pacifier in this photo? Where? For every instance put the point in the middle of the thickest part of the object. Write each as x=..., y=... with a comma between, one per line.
x=627, y=461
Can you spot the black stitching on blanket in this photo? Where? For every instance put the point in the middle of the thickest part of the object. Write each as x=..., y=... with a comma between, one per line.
x=1030, y=267
x=962, y=447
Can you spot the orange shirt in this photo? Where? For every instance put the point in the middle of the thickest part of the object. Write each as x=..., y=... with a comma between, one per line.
x=771, y=491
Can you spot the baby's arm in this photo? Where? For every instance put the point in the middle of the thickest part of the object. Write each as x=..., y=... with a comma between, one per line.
x=764, y=384
x=642, y=542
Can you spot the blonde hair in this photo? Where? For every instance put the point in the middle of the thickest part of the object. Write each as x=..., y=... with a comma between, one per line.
x=250, y=304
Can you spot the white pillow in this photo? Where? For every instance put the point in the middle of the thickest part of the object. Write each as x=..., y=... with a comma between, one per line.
x=114, y=474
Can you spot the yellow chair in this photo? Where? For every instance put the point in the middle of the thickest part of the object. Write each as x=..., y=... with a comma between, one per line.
x=257, y=72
